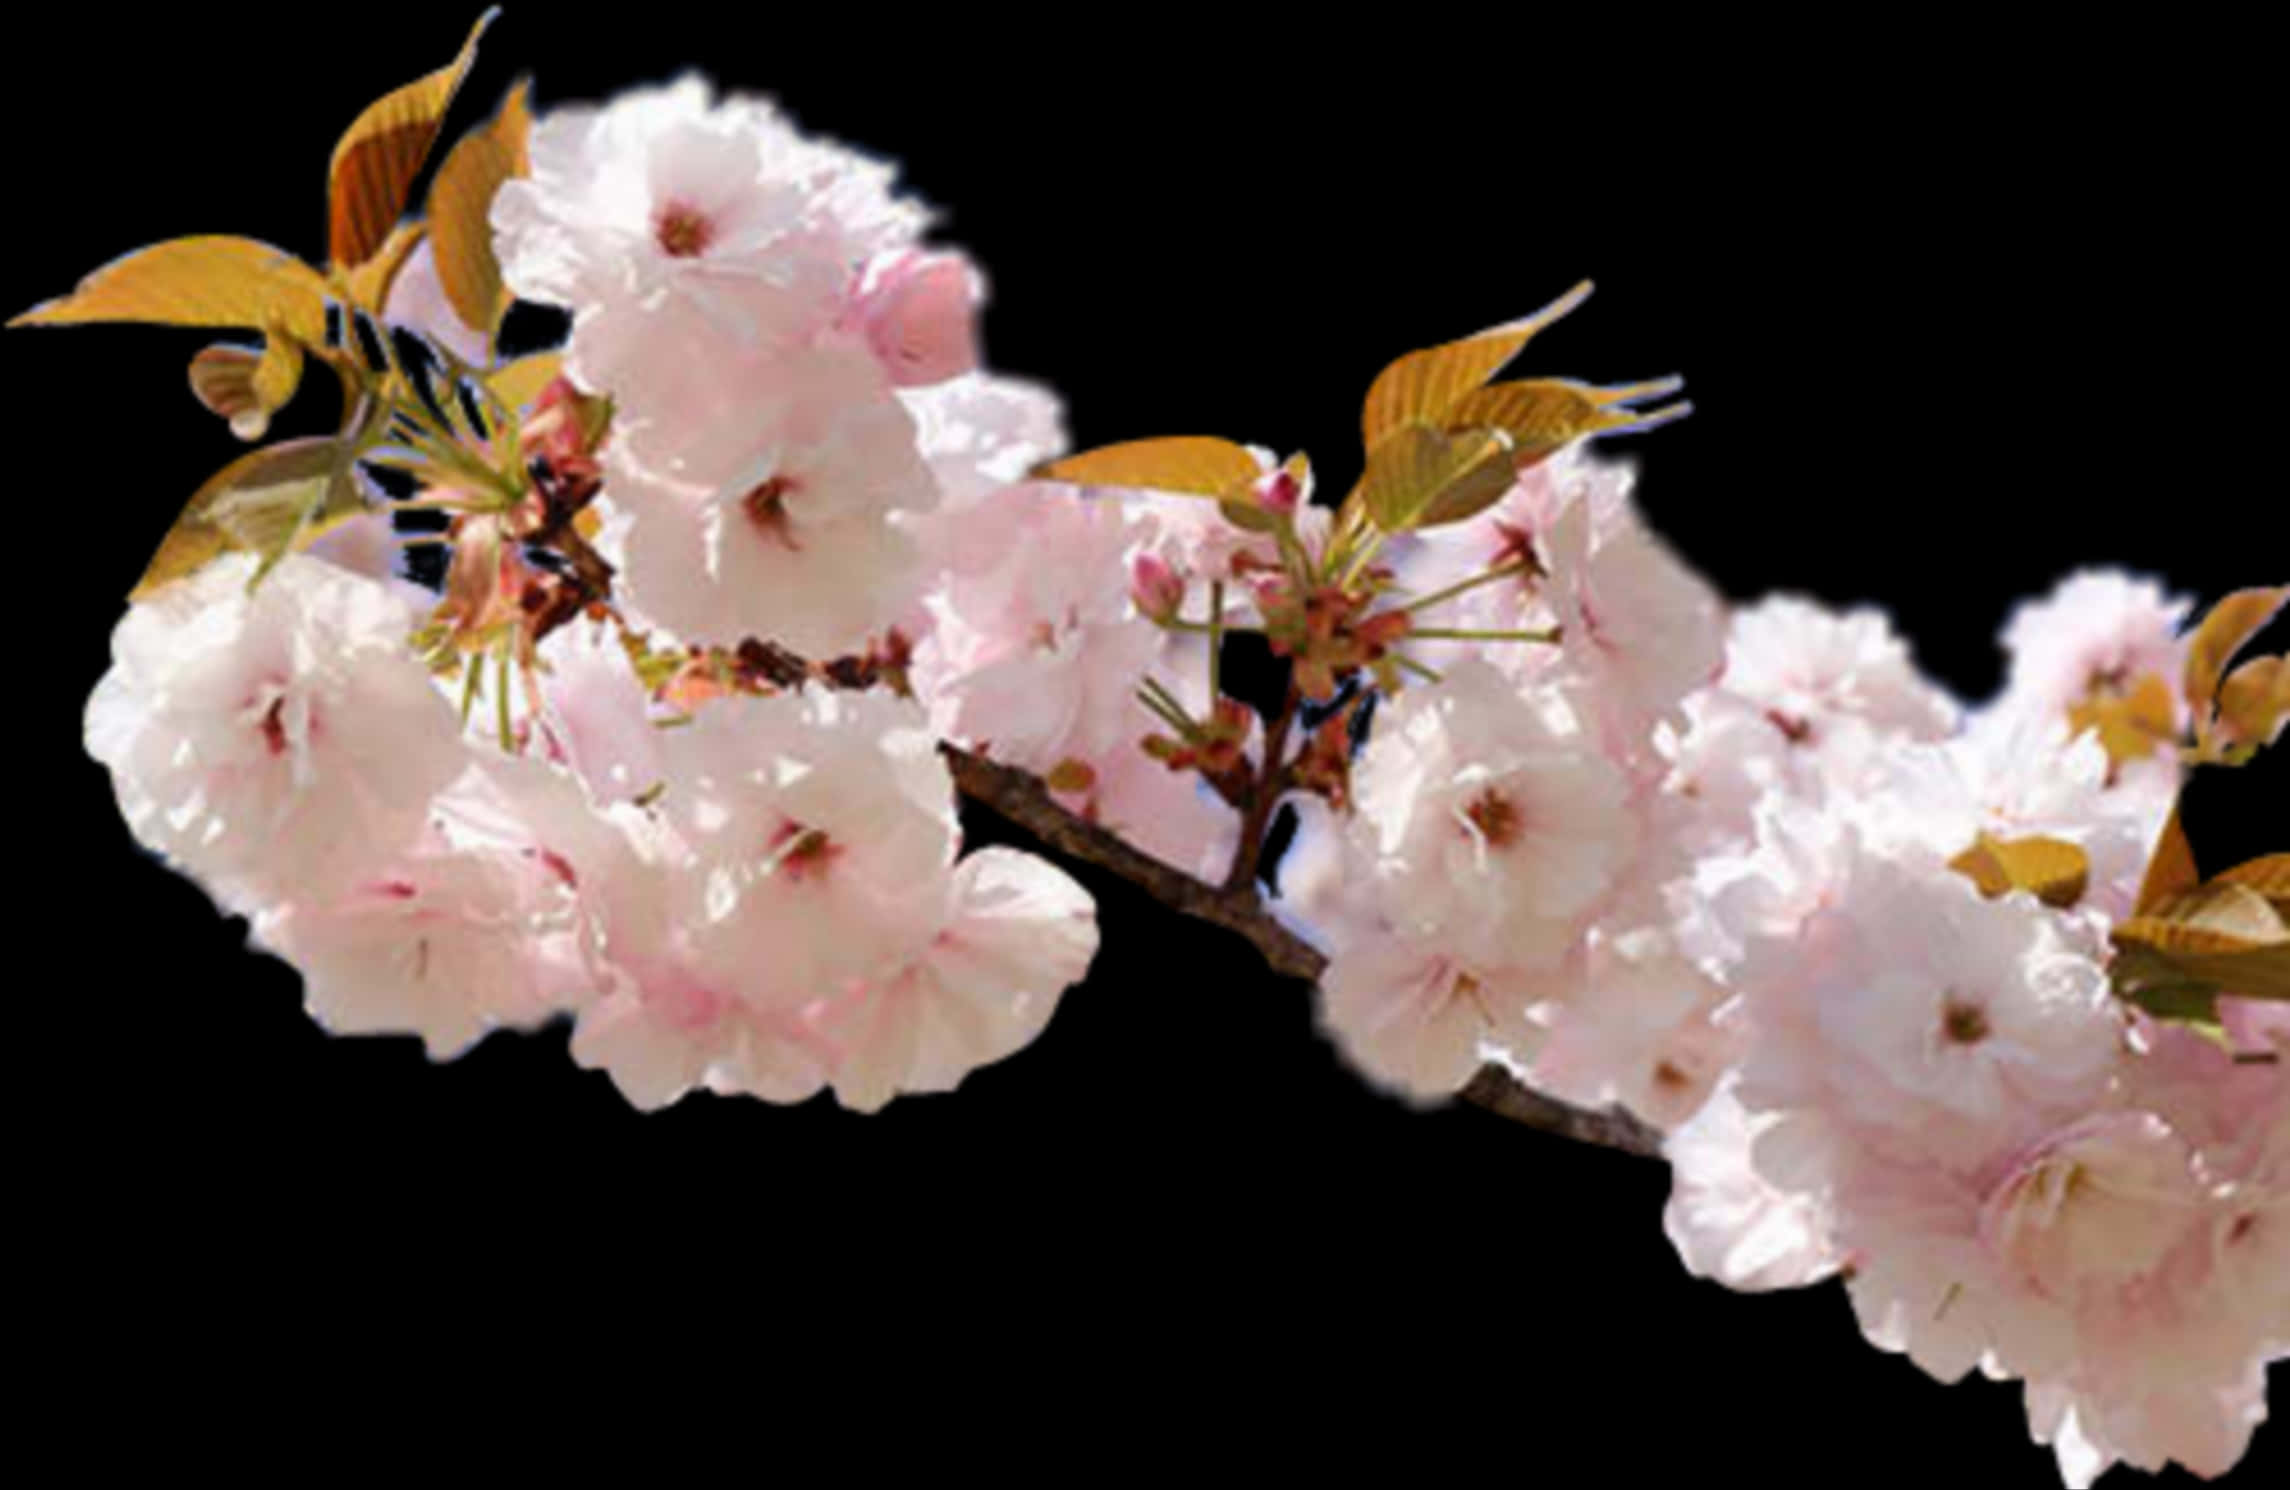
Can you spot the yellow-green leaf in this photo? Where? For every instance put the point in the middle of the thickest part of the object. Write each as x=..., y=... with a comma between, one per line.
x=1192, y=465
x=277, y=374
x=268, y=501
x=1419, y=476
x=1421, y=387
x=460, y=207
x=210, y=281
x=2222, y=633
x=2254, y=701
x=2051, y=869
x=2171, y=868
x=376, y=161
x=2221, y=933
x=2259, y=973
x=1542, y=415
x=2219, y=918
x=518, y=383
x=2160, y=986
x=2269, y=875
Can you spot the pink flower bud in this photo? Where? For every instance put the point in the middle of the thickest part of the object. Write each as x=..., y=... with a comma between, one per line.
x=917, y=316
x=1155, y=587
x=1279, y=492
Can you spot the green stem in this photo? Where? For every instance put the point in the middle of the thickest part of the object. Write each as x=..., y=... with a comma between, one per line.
x=1466, y=634
x=1484, y=577
x=501, y=709
x=1156, y=698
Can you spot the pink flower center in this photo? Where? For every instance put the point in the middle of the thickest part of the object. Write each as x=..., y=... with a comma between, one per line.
x=682, y=231
x=802, y=854
x=767, y=509
x=1496, y=817
x=1517, y=546
x=274, y=726
x=1794, y=729
x=1964, y=1023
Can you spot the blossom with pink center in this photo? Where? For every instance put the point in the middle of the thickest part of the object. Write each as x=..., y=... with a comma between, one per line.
x=1516, y=531
x=1809, y=669
x=1487, y=818
x=469, y=931
x=1417, y=1021
x=790, y=915
x=2096, y=635
x=798, y=541
x=821, y=827
x=1637, y=1027
x=1926, y=1020
x=273, y=741
x=1035, y=648
x=693, y=240
x=669, y=1022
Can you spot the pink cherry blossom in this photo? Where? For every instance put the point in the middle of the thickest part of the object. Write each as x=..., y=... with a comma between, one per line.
x=798, y=540
x=272, y=740
x=918, y=313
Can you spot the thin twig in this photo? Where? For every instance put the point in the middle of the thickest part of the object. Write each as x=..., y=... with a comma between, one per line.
x=1020, y=797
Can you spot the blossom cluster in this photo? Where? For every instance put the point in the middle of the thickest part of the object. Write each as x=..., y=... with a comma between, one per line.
x=733, y=582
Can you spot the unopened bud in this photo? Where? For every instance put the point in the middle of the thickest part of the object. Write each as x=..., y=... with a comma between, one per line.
x=1155, y=588
x=1279, y=492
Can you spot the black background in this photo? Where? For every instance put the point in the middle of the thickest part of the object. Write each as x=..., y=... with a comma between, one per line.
x=1955, y=319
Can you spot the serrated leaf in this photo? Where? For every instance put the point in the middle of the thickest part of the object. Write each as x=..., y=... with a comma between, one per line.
x=2231, y=623
x=210, y=281
x=460, y=207
x=370, y=282
x=375, y=163
x=268, y=501
x=1191, y=465
x=518, y=383
x=2254, y=701
x=1421, y=477
x=2130, y=726
x=2170, y=868
x=1422, y=386
x=2051, y=869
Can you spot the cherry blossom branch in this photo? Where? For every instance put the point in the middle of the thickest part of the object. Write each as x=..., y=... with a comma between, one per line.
x=1020, y=797
x=1270, y=785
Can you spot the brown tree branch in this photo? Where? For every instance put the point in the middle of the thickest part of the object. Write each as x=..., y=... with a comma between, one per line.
x=1020, y=797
